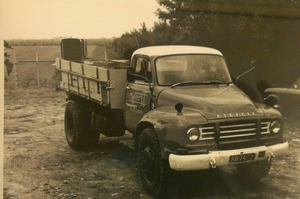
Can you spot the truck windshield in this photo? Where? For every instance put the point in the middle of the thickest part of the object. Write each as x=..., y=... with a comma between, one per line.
x=196, y=68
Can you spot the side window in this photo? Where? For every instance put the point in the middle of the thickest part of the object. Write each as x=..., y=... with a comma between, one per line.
x=143, y=68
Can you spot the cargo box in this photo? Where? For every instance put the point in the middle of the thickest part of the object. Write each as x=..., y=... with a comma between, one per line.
x=103, y=82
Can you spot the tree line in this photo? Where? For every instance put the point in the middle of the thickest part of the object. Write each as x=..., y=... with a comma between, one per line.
x=55, y=41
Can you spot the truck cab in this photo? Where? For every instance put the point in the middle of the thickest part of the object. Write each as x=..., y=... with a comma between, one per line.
x=157, y=78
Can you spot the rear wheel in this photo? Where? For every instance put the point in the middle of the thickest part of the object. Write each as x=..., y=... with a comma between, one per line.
x=254, y=171
x=79, y=133
x=152, y=167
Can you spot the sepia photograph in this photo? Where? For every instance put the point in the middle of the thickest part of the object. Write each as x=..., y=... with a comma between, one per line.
x=170, y=99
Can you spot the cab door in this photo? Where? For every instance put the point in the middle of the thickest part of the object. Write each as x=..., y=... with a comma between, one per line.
x=138, y=95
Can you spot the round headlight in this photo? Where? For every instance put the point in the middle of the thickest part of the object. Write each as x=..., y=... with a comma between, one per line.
x=193, y=134
x=275, y=127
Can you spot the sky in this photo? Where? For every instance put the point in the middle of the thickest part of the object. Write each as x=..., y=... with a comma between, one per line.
x=46, y=19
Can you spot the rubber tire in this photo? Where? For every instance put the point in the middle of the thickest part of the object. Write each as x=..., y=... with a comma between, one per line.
x=78, y=130
x=152, y=167
x=254, y=171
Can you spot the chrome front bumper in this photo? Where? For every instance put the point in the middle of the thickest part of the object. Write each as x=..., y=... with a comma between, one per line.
x=221, y=158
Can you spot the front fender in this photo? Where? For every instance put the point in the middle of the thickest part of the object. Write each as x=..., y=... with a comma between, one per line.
x=171, y=127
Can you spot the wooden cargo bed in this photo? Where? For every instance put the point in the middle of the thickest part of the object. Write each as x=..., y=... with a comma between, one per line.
x=103, y=82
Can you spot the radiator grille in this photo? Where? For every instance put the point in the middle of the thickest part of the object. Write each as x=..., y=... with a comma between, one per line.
x=237, y=131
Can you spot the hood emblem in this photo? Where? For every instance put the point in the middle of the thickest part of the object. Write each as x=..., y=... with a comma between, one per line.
x=239, y=114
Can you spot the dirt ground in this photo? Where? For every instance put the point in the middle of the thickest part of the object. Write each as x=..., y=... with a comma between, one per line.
x=38, y=162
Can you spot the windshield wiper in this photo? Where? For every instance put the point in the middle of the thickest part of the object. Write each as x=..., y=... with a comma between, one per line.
x=185, y=83
x=216, y=82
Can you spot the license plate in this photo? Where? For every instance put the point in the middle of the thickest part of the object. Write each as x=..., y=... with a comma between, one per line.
x=242, y=157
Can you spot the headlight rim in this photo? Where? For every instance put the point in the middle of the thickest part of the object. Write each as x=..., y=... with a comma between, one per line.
x=193, y=137
x=275, y=125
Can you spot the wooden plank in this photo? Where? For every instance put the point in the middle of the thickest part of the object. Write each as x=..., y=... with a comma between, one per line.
x=65, y=65
x=103, y=74
x=90, y=71
x=94, y=92
x=76, y=67
x=64, y=79
x=57, y=62
x=83, y=89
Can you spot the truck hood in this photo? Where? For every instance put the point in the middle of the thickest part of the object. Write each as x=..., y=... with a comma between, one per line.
x=212, y=101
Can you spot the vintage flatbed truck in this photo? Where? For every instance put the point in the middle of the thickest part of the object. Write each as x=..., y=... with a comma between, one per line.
x=181, y=106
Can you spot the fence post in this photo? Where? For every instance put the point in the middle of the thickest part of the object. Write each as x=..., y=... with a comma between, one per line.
x=37, y=69
x=5, y=73
x=16, y=70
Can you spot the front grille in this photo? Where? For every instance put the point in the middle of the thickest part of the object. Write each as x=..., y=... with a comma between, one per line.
x=207, y=132
x=236, y=131
x=265, y=127
x=241, y=131
x=265, y=131
x=232, y=130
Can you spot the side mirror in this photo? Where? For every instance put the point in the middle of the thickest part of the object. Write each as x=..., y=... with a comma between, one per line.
x=130, y=74
x=252, y=68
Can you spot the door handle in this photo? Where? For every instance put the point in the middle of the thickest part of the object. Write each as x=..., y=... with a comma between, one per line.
x=128, y=87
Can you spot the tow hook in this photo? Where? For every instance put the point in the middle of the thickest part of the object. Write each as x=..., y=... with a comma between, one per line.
x=212, y=163
x=271, y=157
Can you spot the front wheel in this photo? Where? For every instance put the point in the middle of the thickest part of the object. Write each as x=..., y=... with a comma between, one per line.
x=254, y=171
x=152, y=167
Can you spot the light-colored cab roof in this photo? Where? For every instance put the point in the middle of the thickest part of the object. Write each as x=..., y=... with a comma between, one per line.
x=174, y=49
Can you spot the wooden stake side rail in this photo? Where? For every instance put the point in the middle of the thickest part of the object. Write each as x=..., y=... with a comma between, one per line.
x=101, y=84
